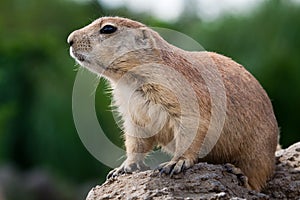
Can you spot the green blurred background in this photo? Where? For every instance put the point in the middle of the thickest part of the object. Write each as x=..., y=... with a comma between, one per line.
x=41, y=155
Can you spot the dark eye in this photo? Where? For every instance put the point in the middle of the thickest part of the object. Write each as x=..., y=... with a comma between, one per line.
x=108, y=29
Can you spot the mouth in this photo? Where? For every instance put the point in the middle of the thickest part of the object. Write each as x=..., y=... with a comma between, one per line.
x=78, y=56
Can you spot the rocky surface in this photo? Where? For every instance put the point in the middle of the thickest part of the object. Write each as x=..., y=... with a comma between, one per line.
x=205, y=181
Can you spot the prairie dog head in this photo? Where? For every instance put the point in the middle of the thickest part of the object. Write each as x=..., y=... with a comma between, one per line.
x=110, y=46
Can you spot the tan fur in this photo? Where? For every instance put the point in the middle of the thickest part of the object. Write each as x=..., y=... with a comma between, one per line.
x=152, y=112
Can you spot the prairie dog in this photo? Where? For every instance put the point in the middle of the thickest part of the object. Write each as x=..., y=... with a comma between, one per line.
x=175, y=99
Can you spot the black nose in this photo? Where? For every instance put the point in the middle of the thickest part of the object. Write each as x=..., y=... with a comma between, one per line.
x=71, y=42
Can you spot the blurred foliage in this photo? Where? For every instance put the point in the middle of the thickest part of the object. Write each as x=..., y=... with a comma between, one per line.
x=36, y=80
x=37, y=75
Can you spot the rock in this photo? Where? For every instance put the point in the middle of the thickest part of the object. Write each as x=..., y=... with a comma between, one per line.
x=205, y=181
x=285, y=183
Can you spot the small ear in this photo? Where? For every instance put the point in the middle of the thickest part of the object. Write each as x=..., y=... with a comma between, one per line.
x=145, y=34
x=144, y=37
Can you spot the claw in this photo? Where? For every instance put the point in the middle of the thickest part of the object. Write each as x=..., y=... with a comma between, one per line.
x=239, y=174
x=178, y=167
x=174, y=167
x=115, y=172
x=126, y=168
x=166, y=168
x=109, y=175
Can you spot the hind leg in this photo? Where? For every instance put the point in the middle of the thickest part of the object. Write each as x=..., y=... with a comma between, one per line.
x=257, y=170
x=230, y=168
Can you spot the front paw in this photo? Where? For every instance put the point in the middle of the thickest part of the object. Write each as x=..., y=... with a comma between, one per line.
x=175, y=166
x=127, y=168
